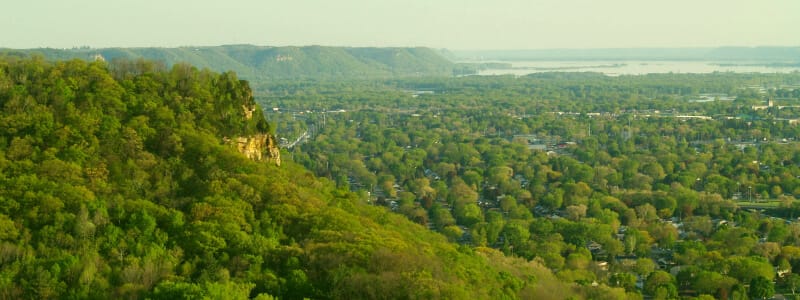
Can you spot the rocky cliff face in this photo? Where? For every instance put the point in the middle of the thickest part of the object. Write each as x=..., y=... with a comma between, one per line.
x=259, y=147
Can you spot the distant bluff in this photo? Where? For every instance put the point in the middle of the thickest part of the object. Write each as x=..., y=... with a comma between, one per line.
x=263, y=62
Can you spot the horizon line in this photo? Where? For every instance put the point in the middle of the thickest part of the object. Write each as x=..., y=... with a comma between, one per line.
x=87, y=47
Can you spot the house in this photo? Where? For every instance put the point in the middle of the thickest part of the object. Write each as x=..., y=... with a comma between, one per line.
x=595, y=248
x=770, y=103
x=602, y=265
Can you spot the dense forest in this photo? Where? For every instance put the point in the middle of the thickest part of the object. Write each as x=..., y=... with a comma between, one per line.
x=125, y=181
x=258, y=62
x=667, y=185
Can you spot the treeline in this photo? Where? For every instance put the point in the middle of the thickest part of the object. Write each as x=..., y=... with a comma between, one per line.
x=624, y=192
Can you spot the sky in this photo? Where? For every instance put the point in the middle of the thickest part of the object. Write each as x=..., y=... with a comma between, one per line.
x=451, y=24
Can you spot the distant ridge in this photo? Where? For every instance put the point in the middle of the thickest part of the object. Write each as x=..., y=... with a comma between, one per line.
x=322, y=62
x=762, y=54
x=277, y=62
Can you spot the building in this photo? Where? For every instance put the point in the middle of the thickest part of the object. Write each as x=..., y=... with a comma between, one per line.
x=770, y=103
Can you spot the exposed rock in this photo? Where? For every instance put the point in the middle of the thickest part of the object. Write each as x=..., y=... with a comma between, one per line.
x=248, y=111
x=259, y=147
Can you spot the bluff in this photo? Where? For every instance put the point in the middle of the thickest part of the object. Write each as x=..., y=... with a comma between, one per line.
x=262, y=62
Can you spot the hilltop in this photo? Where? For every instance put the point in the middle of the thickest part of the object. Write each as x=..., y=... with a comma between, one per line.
x=262, y=62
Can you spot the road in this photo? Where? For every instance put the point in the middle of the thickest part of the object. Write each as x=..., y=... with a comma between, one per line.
x=298, y=140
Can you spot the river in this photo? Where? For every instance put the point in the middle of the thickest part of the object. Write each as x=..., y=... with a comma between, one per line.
x=616, y=68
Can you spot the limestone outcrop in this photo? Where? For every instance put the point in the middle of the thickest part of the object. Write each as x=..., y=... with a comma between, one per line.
x=259, y=147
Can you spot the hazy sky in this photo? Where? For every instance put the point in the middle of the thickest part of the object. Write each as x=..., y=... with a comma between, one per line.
x=453, y=24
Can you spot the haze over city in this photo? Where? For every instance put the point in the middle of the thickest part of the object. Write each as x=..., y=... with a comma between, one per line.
x=505, y=24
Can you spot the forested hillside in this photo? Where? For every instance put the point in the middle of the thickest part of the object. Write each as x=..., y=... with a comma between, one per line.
x=278, y=62
x=122, y=181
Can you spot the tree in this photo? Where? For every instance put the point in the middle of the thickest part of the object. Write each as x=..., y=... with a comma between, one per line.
x=469, y=214
x=623, y=280
x=461, y=193
x=516, y=232
x=761, y=288
x=495, y=226
x=746, y=268
x=644, y=267
x=576, y=212
x=453, y=232
x=579, y=260
x=554, y=199
x=793, y=282
x=663, y=233
x=442, y=218
x=646, y=212
x=659, y=280
x=667, y=291
x=711, y=283
x=507, y=203
x=473, y=179
x=498, y=175
x=576, y=193
x=654, y=170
